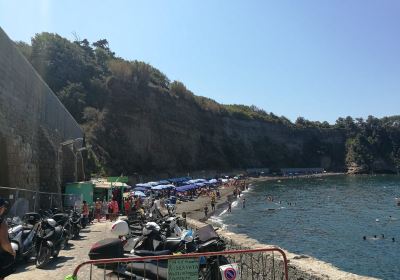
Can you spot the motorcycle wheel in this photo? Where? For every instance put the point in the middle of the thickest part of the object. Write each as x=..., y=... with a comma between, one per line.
x=211, y=271
x=43, y=257
x=64, y=244
x=76, y=234
x=55, y=255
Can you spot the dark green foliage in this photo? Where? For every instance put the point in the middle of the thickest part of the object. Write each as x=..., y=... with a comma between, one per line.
x=254, y=113
x=359, y=152
x=73, y=97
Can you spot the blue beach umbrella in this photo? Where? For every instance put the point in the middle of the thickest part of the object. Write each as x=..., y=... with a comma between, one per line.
x=138, y=193
x=139, y=189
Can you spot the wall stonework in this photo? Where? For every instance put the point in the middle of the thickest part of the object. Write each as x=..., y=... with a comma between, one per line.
x=33, y=125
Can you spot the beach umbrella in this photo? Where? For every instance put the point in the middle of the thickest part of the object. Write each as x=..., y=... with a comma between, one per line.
x=164, y=182
x=157, y=188
x=144, y=185
x=139, y=189
x=163, y=187
x=185, y=188
x=138, y=193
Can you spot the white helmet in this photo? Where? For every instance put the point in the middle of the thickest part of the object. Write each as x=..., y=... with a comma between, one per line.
x=149, y=227
x=120, y=228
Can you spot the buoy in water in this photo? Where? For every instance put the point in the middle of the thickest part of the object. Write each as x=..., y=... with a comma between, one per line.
x=376, y=220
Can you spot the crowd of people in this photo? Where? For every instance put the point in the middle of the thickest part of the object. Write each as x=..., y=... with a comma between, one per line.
x=110, y=210
x=238, y=187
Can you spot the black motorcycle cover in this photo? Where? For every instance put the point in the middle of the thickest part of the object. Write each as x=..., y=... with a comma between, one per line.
x=107, y=249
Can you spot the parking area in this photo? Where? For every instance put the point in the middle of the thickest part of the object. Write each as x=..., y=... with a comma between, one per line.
x=74, y=254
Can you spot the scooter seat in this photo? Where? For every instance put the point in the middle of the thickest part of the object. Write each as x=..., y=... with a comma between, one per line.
x=171, y=243
x=143, y=253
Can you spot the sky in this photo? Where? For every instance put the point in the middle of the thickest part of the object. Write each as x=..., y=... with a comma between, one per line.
x=312, y=58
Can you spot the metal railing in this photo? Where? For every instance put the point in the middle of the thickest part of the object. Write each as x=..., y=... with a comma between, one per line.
x=255, y=264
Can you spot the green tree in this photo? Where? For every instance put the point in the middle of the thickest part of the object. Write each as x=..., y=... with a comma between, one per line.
x=73, y=98
x=60, y=61
x=359, y=152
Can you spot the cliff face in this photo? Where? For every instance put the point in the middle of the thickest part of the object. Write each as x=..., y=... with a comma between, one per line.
x=153, y=130
x=138, y=121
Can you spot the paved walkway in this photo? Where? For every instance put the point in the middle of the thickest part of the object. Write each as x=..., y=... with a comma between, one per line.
x=68, y=258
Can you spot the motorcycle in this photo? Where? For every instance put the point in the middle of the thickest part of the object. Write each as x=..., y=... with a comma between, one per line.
x=64, y=221
x=22, y=236
x=75, y=220
x=206, y=240
x=152, y=236
x=49, y=241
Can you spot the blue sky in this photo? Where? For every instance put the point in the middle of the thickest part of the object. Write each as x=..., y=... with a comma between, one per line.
x=317, y=59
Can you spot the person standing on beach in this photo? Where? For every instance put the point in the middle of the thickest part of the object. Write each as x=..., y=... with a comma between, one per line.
x=229, y=206
x=104, y=209
x=85, y=211
x=205, y=211
x=98, y=206
x=213, y=198
x=212, y=204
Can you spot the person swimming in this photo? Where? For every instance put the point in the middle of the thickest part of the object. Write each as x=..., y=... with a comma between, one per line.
x=364, y=237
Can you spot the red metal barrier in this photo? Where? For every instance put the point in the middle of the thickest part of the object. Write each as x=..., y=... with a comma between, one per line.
x=230, y=254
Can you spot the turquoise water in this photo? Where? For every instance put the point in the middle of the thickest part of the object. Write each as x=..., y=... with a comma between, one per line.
x=327, y=218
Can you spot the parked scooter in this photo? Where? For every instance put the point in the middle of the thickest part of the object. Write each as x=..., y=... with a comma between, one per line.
x=22, y=236
x=75, y=220
x=50, y=240
x=206, y=240
x=64, y=221
x=152, y=236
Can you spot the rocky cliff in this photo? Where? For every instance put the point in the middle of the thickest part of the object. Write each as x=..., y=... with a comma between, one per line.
x=153, y=130
x=137, y=121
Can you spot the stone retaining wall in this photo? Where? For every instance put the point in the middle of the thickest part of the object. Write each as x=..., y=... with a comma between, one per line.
x=34, y=126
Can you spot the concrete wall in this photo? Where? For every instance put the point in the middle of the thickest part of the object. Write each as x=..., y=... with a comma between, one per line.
x=34, y=126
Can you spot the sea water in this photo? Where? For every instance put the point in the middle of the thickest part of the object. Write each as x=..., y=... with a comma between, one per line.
x=327, y=218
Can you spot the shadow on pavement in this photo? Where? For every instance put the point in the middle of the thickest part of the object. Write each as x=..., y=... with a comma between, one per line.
x=53, y=263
